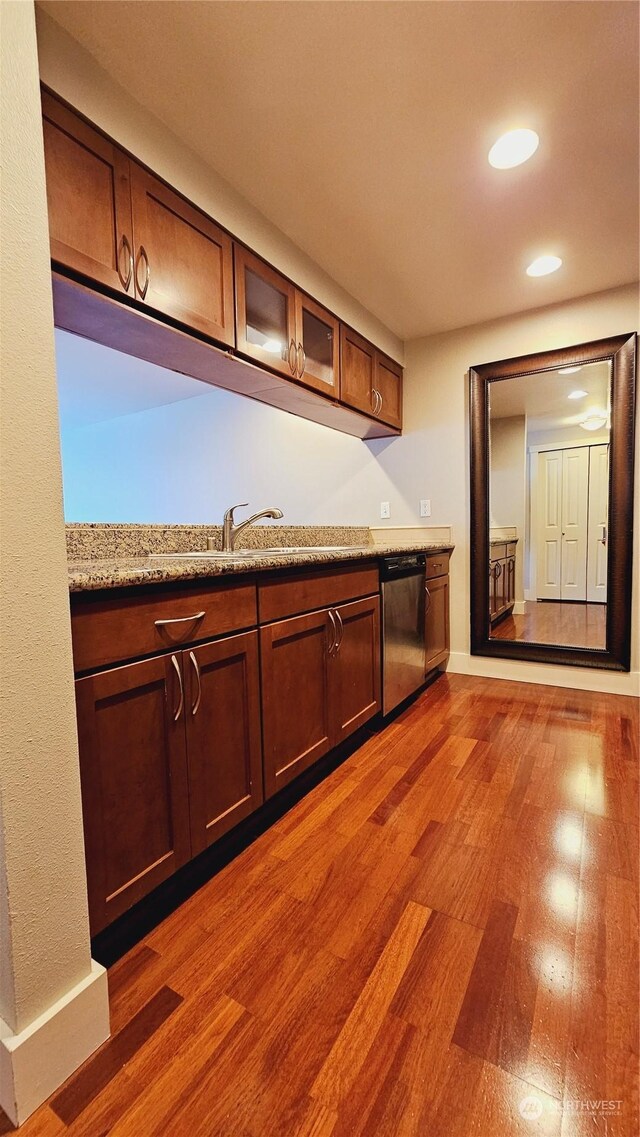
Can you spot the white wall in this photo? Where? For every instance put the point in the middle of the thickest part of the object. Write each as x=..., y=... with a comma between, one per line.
x=507, y=484
x=44, y=930
x=188, y=461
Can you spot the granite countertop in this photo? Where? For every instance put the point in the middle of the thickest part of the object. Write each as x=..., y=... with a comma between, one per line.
x=503, y=541
x=120, y=571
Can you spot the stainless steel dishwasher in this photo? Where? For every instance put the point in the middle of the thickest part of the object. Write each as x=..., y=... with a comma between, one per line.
x=403, y=644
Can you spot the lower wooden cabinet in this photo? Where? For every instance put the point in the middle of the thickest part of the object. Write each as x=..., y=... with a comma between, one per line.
x=320, y=681
x=133, y=768
x=436, y=622
x=170, y=759
x=222, y=718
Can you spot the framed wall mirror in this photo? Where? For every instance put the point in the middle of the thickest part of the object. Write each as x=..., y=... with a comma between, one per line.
x=552, y=455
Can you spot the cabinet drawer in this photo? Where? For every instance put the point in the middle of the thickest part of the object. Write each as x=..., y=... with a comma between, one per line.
x=122, y=627
x=437, y=565
x=497, y=552
x=511, y=549
x=283, y=596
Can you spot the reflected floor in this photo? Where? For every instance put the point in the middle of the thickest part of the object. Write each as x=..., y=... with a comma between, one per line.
x=556, y=622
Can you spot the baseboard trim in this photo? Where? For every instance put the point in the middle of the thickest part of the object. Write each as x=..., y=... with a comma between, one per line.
x=548, y=674
x=37, y=1061
x=518, y=608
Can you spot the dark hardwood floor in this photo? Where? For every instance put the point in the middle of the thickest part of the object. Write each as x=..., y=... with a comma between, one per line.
x=556, y=622
x=439, y=941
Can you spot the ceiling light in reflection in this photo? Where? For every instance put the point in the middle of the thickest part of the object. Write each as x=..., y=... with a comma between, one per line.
x=513, y=148
x=577, y=394
x=594, y=421
x=562, y=892
x=272, y=346
x=542, y=266
x=569, y=838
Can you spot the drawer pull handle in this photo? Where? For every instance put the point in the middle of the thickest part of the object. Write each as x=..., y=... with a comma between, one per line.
x=333, y=646
x=340, y=631
x=180, y=620
x=194, y=661
x=435, y=564
x=176, y=665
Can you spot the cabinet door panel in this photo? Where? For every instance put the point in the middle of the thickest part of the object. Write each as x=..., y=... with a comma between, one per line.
x=437, y=622
x=355, y=668
x=296, y=727
x=388, y=382
x=357, y=370
x=318, y=345
x=265, y=314
x=189, y=259
x=134, y=783
x=88, y=198
x=223, y=735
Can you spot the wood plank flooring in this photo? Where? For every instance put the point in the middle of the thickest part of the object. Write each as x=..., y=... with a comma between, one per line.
x=440, y=940
x=556, y=622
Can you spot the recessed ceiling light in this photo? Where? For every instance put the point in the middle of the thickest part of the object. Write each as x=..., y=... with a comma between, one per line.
x=594, y=420
x=513, y=148
x=543, y=265
x=577, y=394
x=569, y=370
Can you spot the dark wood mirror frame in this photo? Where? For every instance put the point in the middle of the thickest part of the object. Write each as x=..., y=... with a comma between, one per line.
x=616, y=656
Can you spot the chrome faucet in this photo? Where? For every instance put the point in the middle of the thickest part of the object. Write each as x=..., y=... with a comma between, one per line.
x=230, y=531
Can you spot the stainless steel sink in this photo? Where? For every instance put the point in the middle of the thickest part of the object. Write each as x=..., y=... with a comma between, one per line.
x=256, y=554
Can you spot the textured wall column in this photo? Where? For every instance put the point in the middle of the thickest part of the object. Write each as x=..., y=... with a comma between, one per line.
x=52, y=998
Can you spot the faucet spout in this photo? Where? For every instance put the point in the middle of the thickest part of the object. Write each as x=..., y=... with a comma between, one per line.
x=230, y=531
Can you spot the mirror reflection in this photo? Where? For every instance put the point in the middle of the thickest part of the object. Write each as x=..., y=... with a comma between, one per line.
x=548, y=495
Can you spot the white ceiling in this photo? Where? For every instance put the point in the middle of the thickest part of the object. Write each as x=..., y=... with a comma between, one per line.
x=362, y=129
x=543, y=397
x=96, y=383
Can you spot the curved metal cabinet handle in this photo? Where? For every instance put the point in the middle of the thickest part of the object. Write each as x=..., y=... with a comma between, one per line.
x=380, y=403
x=498, y=570
x=374, y=399
x=142, y=252
x=194, y=661
x=124, y=244
x=428, y=607
x=302, y=360
x=333, y=646
x=293, y=359
x=180, y=620
x=340, y=630
x=176, y=665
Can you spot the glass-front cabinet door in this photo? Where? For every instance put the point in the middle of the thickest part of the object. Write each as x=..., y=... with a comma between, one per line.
x=265, y=314
x=317, y=346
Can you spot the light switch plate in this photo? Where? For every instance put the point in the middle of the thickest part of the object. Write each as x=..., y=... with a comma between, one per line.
x=425, y=507
x=385, y=509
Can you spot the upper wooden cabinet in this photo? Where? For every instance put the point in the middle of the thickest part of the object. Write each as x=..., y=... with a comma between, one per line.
x=112, y=221
x=183, y=262
x=388, y=384
x=280, y=326
x=369, y=380
x=265, y=313
x=88, y=197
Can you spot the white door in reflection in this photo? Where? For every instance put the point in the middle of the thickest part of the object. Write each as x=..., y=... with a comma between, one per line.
x=563, y=524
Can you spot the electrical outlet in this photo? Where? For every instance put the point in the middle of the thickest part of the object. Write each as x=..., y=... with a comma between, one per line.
x=385, y=509
x=425, y=507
